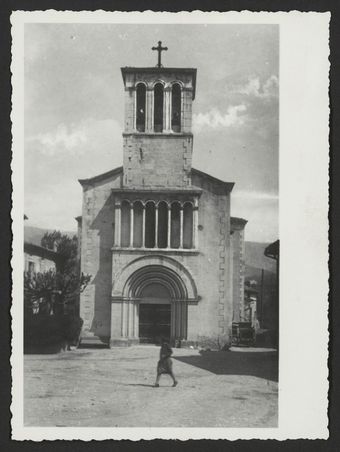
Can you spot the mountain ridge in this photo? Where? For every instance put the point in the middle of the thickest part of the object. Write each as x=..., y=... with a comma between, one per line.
x=254, y=251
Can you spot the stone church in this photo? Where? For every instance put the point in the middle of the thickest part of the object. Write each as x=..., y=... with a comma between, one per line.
x=166, y=257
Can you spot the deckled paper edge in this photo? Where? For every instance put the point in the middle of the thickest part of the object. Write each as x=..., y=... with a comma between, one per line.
x=320, y=338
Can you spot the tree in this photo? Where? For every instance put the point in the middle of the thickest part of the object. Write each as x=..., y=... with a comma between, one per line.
x=57, y=291
x=65, y=246
x=54, y=297
x=38, y=291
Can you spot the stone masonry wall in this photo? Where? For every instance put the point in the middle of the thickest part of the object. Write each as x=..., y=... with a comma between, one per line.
x=210, y=268
x=238, y=274
x=157, y=160
x=96, y=256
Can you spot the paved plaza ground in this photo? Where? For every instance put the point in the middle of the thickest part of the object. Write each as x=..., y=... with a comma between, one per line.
x=114, y=388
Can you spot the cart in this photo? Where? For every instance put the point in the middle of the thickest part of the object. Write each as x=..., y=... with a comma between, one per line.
x=242, y=334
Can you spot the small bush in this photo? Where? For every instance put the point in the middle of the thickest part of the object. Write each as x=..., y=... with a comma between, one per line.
x=48, y=331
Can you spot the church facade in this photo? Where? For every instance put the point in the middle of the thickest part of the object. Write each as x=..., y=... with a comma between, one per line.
x=166, y=257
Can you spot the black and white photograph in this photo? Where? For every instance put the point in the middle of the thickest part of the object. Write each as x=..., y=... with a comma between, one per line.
x=151, y=219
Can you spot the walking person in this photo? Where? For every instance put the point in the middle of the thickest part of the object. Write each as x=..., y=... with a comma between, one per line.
x=164, y=365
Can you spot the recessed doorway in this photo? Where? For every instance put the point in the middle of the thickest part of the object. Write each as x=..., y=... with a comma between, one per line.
x=154, y=314
x=154, y=322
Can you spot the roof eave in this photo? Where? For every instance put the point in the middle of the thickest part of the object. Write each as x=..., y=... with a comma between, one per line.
x=100, y=177
x=228, y=186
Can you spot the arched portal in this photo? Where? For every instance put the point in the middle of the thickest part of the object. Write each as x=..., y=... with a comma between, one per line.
x=154, y=312
x=150, y=300
x=161, y=299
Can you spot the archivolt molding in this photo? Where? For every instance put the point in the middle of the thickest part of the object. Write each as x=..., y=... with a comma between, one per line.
x=133, y=278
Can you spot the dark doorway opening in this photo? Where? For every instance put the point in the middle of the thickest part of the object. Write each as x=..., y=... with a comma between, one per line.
x=154, y=322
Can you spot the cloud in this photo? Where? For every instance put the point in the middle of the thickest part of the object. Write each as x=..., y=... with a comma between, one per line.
x=254, y=87
x=63, y=138
x=256, y=195
x=215, y=119
x=76, y=140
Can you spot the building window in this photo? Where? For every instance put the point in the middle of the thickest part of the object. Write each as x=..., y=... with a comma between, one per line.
x=158, y=107
x=140, y=107
x=175, y=232
x=157, y=224
x=176, y=108
x=125, y=225
x=162, y=239
x=150, y=223
x=31, y=267
x=137, y=224
x=187, y=225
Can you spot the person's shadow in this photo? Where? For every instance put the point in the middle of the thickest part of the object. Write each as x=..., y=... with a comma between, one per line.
x=139, y=384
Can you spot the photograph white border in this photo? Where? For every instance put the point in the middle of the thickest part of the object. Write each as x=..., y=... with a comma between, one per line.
x=303, y=217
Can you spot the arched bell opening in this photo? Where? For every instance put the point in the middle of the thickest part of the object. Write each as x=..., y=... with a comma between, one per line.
x=176, y=108
x=158, y=107
x=140, y=107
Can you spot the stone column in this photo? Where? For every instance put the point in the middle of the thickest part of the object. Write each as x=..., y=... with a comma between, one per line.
x=169, y=227
x=124, y=319
x=124, y=323
x=134, y=109
x=135, y=320
x=167, y=109
x=181, y=228
x=143, y=230
x=149, y=110
x=182, y=109
x=131, y=225
x=117, y=223
x=195, y=225
x=156, y=226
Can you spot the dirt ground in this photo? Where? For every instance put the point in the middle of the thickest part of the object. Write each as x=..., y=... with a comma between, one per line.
x=114, y=388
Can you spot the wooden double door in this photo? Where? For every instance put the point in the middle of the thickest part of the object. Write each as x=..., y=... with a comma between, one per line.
x=154, y=322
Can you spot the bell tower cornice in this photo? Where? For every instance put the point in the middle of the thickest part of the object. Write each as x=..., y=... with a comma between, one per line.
x=133, y=75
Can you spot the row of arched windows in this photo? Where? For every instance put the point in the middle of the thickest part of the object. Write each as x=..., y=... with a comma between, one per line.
x=158, y=107
x=156, y=225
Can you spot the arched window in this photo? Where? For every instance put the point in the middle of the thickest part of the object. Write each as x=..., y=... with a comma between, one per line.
x=158, y=107
x=125, y=224
x=176, y=108
x=150, y=221
x=140, y=107
x=162, y=238
x=137, y=224
x=187, y=225
x=175, y=225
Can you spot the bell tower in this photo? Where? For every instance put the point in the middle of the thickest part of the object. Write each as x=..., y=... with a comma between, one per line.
x=157, y=127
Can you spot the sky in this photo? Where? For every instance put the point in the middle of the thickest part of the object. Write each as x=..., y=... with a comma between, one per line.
x=74, y=111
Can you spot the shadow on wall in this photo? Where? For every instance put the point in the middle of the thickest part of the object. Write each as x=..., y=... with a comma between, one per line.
x=261, y=364
x=102, y=280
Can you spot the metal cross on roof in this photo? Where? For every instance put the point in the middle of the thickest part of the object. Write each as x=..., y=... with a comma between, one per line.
x=159, y=49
